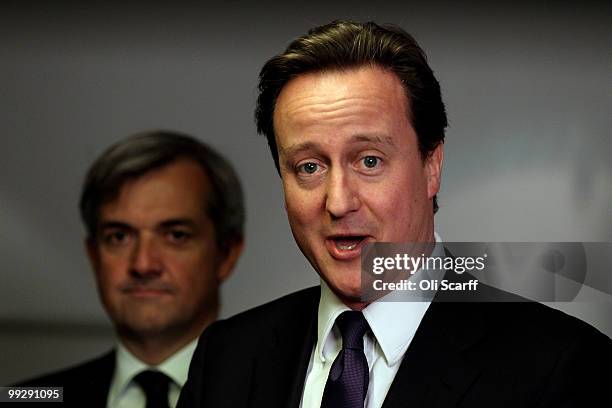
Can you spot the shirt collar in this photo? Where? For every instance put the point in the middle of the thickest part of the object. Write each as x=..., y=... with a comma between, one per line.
x=330, y=307
x=177, y=366
x=127, y=366
x=394, y=324
x=383, y=316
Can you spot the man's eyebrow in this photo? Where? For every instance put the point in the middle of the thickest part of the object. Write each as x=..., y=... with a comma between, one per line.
x=178, y=222
x=373, y=138
x=173, y=222
x=114, y=224
x=363, y=138
x=298, y=148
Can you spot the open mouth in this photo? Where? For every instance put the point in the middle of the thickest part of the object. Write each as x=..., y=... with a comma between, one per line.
x=347, y=243
x=346, y=246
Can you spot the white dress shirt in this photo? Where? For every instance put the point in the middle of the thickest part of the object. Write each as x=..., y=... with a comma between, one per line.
x=393, y=325
x=125, y=393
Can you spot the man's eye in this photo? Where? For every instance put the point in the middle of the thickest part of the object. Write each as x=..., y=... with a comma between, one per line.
x=371, y=161
x=116, y=238
x=308, y=168
x=178, y=236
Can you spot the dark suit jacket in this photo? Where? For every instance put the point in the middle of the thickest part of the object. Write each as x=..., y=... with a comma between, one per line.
x=85, y=385
x=469, y=354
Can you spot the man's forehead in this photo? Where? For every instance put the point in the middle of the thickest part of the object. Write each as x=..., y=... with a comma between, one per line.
x=336, y=78
x=357, y=140
x=367, y=104
x=327, y=93
x=176, y=188
x=181, y=175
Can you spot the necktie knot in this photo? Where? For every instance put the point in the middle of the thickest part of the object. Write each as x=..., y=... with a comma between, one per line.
x=352, y=326
x=155, y=386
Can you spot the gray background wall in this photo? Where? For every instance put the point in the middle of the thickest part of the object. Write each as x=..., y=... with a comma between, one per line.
x=527, y=87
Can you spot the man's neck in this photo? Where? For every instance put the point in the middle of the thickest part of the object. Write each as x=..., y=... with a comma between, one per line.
x=155, y=348
x=154, y=351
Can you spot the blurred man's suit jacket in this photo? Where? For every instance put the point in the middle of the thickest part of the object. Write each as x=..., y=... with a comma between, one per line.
x=85, y=385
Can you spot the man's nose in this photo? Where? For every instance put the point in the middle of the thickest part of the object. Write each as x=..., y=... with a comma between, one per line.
x=146, y=261
x=342, y=193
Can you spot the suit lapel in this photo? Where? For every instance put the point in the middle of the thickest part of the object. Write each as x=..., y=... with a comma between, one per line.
x=99, y=382
x=279, y=371
x=88, y=384
x=435, y=371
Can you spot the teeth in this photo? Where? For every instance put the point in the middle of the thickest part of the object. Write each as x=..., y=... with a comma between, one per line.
x=347, y=244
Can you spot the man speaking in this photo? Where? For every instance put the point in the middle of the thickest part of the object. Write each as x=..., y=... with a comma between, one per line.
x=355, y=122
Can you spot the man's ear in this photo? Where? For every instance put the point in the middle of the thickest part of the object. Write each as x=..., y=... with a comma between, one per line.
x=227, y=264
x=433, y=169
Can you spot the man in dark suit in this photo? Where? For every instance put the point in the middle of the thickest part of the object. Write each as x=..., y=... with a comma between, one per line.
x=164, y=215
x=355, y=122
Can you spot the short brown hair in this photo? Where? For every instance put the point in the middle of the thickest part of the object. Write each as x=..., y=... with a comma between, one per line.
x=343, y=45
x=141, y=153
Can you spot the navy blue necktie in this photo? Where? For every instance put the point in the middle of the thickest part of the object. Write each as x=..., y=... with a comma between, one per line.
x=155, y=386
x=347, y=384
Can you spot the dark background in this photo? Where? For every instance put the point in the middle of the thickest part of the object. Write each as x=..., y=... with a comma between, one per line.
x=527, y=88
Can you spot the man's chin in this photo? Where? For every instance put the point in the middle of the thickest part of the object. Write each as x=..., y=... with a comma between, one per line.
x=145, y=320
x=149, y=329
x=347, y=292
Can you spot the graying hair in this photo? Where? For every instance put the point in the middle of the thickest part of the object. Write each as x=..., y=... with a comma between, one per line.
x=138, y=154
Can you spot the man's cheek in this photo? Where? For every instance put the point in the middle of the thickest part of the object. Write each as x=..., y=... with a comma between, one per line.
x=298, y=214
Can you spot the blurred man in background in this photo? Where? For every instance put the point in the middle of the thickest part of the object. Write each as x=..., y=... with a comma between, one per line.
x=164, y=215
